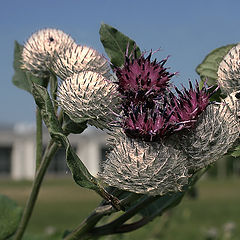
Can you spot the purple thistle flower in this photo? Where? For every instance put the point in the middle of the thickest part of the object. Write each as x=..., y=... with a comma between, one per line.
x=148, y=125
x=188, y=105
x=152, y=122
x=151, y=153
x=140, y=77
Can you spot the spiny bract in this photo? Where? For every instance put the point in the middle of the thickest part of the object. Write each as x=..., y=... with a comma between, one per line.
x=77, y=58
x=89, y=96
x=157, y=168
x=40, y=48
x=229, y=71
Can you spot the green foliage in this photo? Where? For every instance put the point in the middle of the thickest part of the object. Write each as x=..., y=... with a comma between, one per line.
x=188, y=221
x=70, y=126
x=80, y=173
x=10, y=214
x=209, y=66
x=208, y=70
x=45, y=105
x=115, y=44
x=162, y=204
x=236, y=152
x=21, y=78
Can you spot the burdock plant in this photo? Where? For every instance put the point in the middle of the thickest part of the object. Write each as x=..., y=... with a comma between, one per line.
x=162, y=138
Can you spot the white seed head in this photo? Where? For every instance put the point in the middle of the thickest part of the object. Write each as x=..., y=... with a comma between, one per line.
x=40, y=49
x=79, y=58
x=144, y=167
x=217, y=129
x=233, y=103
x=229, y=71
x=88, y=95
x=162, y=167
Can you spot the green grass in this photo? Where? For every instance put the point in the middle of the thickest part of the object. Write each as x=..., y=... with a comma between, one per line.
x=63, y=205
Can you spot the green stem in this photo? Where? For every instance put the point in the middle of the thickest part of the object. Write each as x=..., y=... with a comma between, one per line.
x=39, y=147
x=50, y=151
x=117, y=225
x=110, y=227
x=85, y=227
x=145, y=220
x=53, y=90
x=83, y=230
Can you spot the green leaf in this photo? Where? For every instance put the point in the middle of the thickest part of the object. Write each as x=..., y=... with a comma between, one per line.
x=236, y=152
x=9, y=218
x=80, y=173
x=73, y=127
x=45, y=105
x=21, y=78
x=162, y=204
x=209, y=66
x=115, y=44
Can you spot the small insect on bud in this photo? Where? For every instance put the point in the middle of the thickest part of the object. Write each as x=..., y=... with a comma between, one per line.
x=40, y=48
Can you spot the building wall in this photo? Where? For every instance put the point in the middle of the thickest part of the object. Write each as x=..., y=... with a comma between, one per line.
x=17, y=152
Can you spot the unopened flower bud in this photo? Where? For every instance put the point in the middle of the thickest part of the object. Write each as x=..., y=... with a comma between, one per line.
x=216, y=130
x=40, y=48
x=154, y=168
x=77, y=58
x=157, y=168
x=88, y=96
x=229, y=71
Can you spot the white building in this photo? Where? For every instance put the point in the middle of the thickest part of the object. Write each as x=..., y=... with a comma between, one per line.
x=17, y=151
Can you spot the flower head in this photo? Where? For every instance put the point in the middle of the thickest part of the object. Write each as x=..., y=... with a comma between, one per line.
x=88, y=96
x=140, y=77
x=229, y=71
x=165, y=137
x=157, y=168
x=188, y=105
x=77, y=58
x=40, y=48
x=154, y=120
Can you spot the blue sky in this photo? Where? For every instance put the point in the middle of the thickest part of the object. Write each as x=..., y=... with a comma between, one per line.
x=186, y=30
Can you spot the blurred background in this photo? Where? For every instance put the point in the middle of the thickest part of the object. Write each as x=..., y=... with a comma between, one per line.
x=185, y=30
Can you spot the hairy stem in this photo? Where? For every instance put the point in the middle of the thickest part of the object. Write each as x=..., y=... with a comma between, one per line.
x=112, y=226
x=83, y=231
x=39, y=147
x=84, y=228
x=53, y=90
x=50, y=151
x=118, y=226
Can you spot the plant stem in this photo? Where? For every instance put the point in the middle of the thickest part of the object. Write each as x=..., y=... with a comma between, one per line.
x=50, y=151
x=85, y=227
x=53, y=90
x=118, y=226
x=111, y=227
x=145, y=220
x=83, y=231
x=39, y=147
